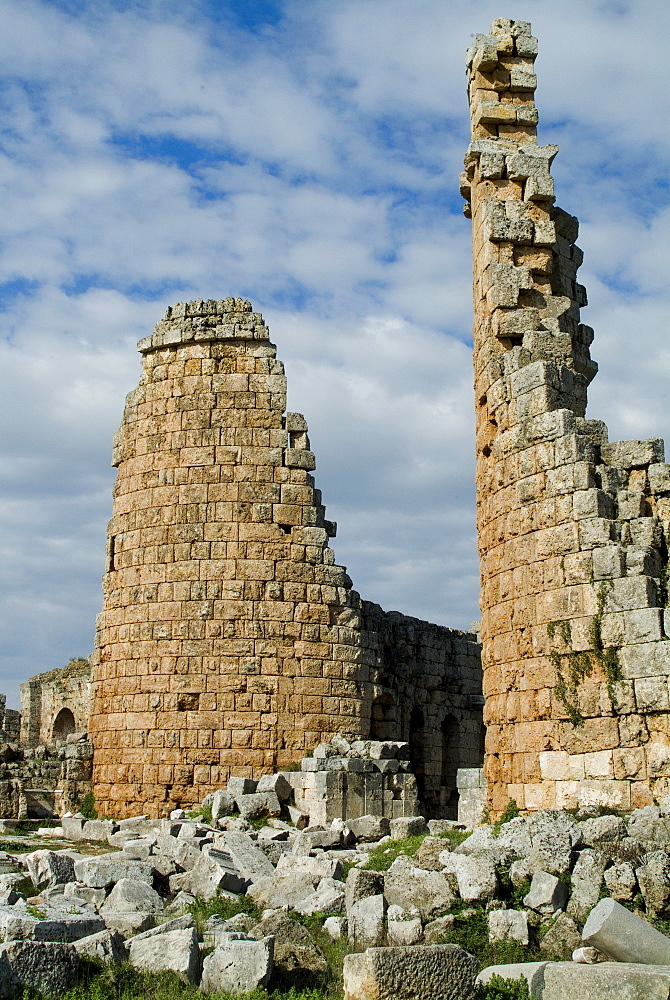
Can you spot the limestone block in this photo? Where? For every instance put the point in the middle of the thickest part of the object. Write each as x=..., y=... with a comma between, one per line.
x=176, y=951
x=562, y=938
x=631, y=592
x=651, y=694
x=98, y=829
x=587, y=876
x=532, y=972
x=107, y=946
x=604, y=981
x=623, y=936
x=408, y=826
x=633, y=454
x=49, y=968
x=258, y=804
x=609, y=562
x=410, y=973
x=476, y=875
x=508, y=925
x=240, y=786
x=295, y=950
x=654, y=880
x=366, y=922
x=429, y=893
x=276, y=783
x=106, y=870
x=131, y=907
x=649, y=659
x=46, y=868
x=547, y=893
x=239, y=967
x=247, y=858
x=328, y=897
x=223, y=804
x=280, y=890
x=367, y=829
x=51, y=924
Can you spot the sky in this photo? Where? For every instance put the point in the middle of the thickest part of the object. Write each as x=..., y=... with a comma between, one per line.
x=303, y=154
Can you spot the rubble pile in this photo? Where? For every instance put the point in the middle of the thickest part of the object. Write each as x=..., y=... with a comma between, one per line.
x=538, y=881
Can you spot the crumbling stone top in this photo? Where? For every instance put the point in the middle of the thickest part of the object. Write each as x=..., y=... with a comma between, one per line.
x=206, y=320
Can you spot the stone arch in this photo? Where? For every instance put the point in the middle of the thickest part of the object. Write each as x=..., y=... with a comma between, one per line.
x=64, y=724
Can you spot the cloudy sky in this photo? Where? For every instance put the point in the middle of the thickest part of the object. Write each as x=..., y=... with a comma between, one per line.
x=303, y=154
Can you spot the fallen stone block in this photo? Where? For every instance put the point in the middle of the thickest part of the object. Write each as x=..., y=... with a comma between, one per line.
x=605, y=981
x=258, y=804
x=547, y=893
x=408, y=826
x=174, y=951
x=475, y=875
x=51, y=968
x=432, y=972
x=276, y=783
x=106, y=870
x=48, y=868
x=366, y=922
x=532, y=972
x=223, y=804
x=369, y=828
x=294, y=947
x=73, y=827
x=328, y=897
x=623, y=936
x=210, y=874
x=240, y=786
x=131, y=907
x=319, y=866
x=428, y=892
x=402, y=930
x=282, y=890
x=239, y=967
x=106, y=945
x=508, y=925
x=360, y=884
x=98, y=829
x=248, y=859
x=309, y=839
x=47, y=923
x=654, y=880
x=562, y=938
x=587, y=877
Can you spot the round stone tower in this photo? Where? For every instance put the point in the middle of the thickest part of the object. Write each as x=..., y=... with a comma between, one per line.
x=229, y=640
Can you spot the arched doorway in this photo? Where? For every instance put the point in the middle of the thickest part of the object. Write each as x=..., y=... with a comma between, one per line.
x=64, y=724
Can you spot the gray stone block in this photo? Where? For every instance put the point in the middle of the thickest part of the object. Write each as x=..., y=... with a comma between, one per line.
x=50, y=968
x=247, y=858
x=605, y=981
x=366, y=922
x=106, y=869
x=107, y=946
x=443, y=971
x=174, y=951
x=240, y=786
x=47, y=868
x=238, y=967
x=258, y=804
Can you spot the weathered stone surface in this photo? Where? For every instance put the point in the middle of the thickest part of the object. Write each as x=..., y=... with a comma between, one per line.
x=247, y=858
x=48, y=868
x=367, y=829
x=239, y=967
x=223, y=804
x=213, y=872
x=328, y=897
x=360, y=884
x=623, y=936
x=50, y=968
x=106, y=870
x=175, y=951
x=320, y=866
x=408, y=826
x=276, y=783
x=258, y=804
x=294, y=946
x=587, y=877
x=475, y=874
x=562, y=938
x=108, y=946
x=434, y=972
x=428, y=892
x=366, y=922
x=605, y=981
x=654, y=880
x=131, y=907
x=282, y=890
x=47, y=923
x=508, y=925
x=547, y=893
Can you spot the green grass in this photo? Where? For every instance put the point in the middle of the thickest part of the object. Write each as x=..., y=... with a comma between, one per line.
x=455, y=837
x=382, y=857
x=503, y=989
x=223, y=907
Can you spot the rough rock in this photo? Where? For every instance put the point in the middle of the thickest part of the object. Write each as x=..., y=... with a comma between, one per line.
x=654, y=880
x=276, y=783
x=177, y=951
x=601, y=829
x=475, y=874
x=108, y=946
x=239, y=967
x=47, y=868
x=437, y=930
x=433, y=972
x=402, y=928
x=210, y=874
x=328, y=897
x=621, y=881
x=605, y=981
x=282, y=890
x=428, y=892
x=360, y=884
x=428, y=855
x=248, y=859
x=562, y=938
x=258, y=804
x=547, y=893
x=367, y=829
x=587, y=878
x=51, y=968
x=508, y=925
x=408, y=826
x=294, y=946
x=131, y=907
x=223, y=804
x=366, y=922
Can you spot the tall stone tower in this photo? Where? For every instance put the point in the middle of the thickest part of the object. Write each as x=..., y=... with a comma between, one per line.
x=229, y=641
x=224, y=642
x=572, y=529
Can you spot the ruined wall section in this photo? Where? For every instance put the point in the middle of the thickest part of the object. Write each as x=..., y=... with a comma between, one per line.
x=572, y=529
x=10, y=722
x=56, y=703
x=425, y=689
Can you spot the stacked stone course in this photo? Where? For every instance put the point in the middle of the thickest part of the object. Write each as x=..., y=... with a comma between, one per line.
x=230, y=641
x=572, y=529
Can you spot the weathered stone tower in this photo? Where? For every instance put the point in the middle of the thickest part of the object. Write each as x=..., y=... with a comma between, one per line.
x=229, y=641
x=572, y=530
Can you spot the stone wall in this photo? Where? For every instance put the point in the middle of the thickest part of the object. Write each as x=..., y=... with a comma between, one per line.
x=56, y=704
x=230, y=641
x=10, y=722
x=572, y=529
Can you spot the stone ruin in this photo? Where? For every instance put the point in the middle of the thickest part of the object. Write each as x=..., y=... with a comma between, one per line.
x=231, y=643
x=572, y=528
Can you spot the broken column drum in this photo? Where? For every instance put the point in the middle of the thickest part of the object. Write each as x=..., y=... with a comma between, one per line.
x=229, y=641
x=572, y=529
